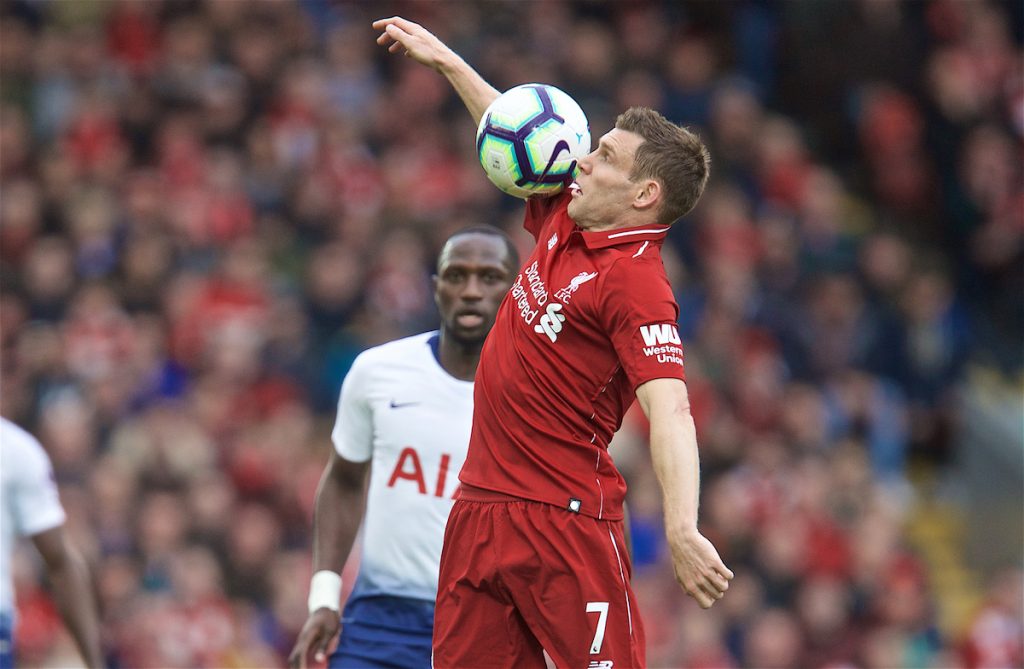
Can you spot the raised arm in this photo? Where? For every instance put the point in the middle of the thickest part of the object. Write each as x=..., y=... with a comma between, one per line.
x=72, y=588
x=698, y=567
x=340, y=500
x=401, y=35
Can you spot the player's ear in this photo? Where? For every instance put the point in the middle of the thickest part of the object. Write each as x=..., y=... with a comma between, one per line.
x=648, y=195
x=435, y=281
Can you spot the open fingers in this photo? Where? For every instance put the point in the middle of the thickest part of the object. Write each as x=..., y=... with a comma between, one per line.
x=395, y=32
x=397, y=36
x=394, y=28
x=389, y=32
x=380, y=24
x=397, y=21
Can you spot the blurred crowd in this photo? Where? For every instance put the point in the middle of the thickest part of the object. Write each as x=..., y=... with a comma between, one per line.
x=208, y=208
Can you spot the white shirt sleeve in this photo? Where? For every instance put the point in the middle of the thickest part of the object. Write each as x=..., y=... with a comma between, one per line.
x=353, y=427
x=34, y=501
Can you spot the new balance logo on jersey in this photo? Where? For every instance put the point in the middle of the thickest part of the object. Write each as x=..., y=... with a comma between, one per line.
x=600, y=664
x=661, y=333
x=552, y=241
x=551, y=322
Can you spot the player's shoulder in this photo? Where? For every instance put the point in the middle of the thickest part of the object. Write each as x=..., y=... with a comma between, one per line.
x=19, y=445
x=633, y=272
x=640, y=258
x=407, y=350
x=416, y=343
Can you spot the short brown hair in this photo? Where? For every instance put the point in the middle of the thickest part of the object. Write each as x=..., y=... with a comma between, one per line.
x=671, y=154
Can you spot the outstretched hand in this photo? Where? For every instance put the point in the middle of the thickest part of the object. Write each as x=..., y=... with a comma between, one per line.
x=401, y=35
x=699, y=569
x=320, y=629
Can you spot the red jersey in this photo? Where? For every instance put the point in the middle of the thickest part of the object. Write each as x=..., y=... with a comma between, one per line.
x=590, y=317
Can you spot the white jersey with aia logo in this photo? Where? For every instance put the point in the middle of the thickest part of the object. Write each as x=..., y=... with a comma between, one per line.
x=31, y=504
x=402, y=410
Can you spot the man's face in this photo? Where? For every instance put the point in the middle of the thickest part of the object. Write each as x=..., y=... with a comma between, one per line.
x=474, y=273
x=602, y=193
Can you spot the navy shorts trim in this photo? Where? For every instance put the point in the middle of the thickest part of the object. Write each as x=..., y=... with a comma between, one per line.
x=385, y=632
x=6, y=642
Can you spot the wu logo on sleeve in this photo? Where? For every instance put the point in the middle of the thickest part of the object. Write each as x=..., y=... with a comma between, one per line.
x=658, y=334
x=661, y=340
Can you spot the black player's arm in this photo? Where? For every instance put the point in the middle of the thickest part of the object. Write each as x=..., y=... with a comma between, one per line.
x=340, y=502
x=338, y=511
x=72, y=588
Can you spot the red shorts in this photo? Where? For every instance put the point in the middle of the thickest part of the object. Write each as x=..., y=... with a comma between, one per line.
x=519, y=578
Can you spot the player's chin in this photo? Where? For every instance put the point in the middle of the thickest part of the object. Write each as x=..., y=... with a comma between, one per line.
x=468, y=337
x=575, y=208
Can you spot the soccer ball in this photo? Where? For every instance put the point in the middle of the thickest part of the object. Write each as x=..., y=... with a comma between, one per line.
x=530, y=138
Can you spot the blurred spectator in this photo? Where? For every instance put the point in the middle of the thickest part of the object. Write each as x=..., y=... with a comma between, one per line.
x=995, y=637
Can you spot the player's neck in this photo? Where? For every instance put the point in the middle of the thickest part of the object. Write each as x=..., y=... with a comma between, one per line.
x=631, y=220
x=458, y=360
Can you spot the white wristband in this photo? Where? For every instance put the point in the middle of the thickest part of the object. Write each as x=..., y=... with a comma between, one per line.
x=325, y=591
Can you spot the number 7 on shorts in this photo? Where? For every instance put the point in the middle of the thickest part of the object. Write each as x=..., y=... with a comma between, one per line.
x=602, y=620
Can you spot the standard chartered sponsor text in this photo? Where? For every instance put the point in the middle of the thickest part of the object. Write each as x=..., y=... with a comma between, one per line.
x=535, y=286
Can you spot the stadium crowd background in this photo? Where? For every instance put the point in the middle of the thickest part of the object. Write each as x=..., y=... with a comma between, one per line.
x=207, y=209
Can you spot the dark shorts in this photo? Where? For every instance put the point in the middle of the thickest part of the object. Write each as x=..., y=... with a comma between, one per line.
x=519, y=578
x=6, y=642
x=384, y=632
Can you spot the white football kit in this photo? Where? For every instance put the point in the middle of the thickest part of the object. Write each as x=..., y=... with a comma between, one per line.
x=30, y=505
x=400, y=409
